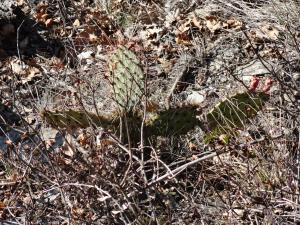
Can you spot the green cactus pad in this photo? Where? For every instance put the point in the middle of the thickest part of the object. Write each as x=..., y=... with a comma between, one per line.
x=174, y=121
x=73, y=119
x=127, y=78
x=233, y=112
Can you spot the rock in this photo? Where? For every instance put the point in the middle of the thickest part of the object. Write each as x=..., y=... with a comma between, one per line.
x=52, y=138
x=6, y=9
x=254, y=68
x=195, y=98
x=86, y=55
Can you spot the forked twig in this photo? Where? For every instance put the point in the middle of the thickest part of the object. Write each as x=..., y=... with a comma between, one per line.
x=171, y=174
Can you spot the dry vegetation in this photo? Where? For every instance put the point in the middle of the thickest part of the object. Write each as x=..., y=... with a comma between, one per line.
x=56, y=57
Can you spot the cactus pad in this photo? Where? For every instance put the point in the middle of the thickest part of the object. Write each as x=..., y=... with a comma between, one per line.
x=174, y=121
x=72, y=119
x=127, y=78
x=233, y=112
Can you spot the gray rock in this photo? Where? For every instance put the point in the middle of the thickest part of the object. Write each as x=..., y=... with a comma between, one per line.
x=52, y=137
x=255, y=67
x=6, y=9
x=195, y=98
x=296, y=76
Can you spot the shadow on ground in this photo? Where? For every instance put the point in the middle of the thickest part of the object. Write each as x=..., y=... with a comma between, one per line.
x=23, y=36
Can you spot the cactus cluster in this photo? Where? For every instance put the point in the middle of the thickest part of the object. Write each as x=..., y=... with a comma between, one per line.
x=127, y=78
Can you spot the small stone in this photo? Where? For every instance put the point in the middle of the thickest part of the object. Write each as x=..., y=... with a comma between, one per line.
x=296, y=76
x=195, y=98
x=86, y=55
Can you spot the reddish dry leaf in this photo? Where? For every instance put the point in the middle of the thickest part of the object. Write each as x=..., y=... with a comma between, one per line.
x=83, y=139
x=49, y=22
x=2, y=205
x=9, y=142
x=182, y=33
x=78, y=212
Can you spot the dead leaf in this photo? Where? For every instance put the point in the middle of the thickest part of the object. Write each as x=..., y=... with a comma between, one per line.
x=233, y=24
x=76, y=23
x=49, y=22
x=93, y=37
x=152, y=106
x=213, y=23
x=78, y=211
x=18, y=67
x=265, y=32
x=183, y=33
x=83, y=139
x=270, y=32
x=9, y=142
x=197, y=23
x=192, y=146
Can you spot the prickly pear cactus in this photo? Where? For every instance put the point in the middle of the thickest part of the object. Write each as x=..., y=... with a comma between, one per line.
x=233, y=112
x=73, y=119
x=174, y=121
x=127, y=78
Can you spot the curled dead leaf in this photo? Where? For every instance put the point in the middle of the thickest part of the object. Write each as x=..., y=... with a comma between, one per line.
x=76, y=23
x=213, y=23
x=182, y=33
x=233, y=24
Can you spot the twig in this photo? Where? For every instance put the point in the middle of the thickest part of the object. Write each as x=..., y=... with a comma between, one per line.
x=180, y=69
x=18, y=41
x=8, y=183
x=178, y=170
x=169, y=96
x=123, y=147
